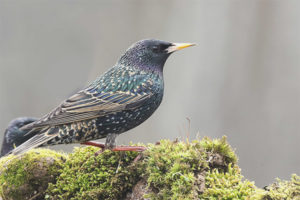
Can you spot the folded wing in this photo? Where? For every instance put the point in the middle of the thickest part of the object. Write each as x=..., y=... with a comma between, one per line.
x=87, y=105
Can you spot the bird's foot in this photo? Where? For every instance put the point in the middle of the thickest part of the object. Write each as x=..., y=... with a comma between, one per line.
x=130, y=148
x=95, y=144
x=117, y=148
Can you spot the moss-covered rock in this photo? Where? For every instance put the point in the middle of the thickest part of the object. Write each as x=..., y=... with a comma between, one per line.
x=176, y=170
x=27, y=176
x=202, y=169
x=168, y=170
x=85, y=175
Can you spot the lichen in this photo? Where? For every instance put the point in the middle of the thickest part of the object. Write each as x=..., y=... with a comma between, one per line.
x=28, y=175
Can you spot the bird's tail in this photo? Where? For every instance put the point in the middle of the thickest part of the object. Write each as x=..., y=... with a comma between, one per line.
x=35, y=141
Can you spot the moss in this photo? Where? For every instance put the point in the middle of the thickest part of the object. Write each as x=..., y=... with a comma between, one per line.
x=86, y=176
x=176, y=170
x=202, y=169
x=219, y=152
x=172, y=170
x=280, y=190
x=227, y=185
x=28, y=175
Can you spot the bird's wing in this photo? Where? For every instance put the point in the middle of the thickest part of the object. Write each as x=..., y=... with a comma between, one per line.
x=87, y=105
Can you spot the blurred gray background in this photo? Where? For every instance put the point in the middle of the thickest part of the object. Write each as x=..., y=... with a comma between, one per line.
x=242, y=80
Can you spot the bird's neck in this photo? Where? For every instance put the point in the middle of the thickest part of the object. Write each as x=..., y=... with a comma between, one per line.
x=127, y=78
x=143, y=68
x=141, y=63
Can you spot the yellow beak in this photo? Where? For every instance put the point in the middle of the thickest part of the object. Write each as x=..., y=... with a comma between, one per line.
x=178, y=46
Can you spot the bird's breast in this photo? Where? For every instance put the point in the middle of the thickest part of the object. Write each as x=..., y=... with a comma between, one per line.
x=122, y=121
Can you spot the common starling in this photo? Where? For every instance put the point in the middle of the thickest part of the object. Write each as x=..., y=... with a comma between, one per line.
x=13, y=136
x=119, y=100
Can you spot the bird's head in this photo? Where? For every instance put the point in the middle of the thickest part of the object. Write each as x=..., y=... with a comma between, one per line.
x=150, y=54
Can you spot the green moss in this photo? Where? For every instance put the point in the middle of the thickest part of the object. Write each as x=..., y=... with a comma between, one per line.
x=219, y=151
x=281, y=190
x=202, y=169
x=170, y=169
x=227, y=185
x=176, y=170
x=28, y=175
x=86, y=176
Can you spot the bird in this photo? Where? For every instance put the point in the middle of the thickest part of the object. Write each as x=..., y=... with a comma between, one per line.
x=13, y=136
x=119, y=100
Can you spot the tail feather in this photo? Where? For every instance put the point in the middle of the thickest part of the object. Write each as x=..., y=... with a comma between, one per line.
x=33, y=142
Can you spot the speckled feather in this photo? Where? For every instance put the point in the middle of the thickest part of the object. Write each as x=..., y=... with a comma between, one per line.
x=137, y=94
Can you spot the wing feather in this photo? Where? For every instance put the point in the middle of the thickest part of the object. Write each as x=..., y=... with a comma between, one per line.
x=87, y=105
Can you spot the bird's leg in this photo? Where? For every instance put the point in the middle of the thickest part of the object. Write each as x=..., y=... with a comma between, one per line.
x=95, y=144
x=110, y=143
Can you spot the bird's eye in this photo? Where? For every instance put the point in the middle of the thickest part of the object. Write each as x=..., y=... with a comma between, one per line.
x=155, y=49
